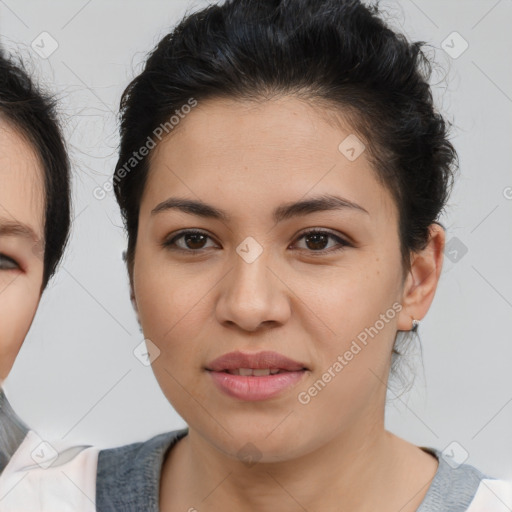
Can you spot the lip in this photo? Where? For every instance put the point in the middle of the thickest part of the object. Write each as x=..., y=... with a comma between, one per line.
x=259, y=360
x=252, y=388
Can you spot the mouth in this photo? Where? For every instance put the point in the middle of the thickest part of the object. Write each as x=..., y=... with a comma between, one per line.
x=253, y=387
x=258, y=364
x=256, y=372
x=252, y=377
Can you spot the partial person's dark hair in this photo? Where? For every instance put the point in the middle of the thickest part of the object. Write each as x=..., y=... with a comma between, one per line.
x=32, y=112
x=337, y=54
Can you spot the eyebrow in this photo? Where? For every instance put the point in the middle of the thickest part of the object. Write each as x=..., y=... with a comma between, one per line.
x=15, y=228
x=286, y=211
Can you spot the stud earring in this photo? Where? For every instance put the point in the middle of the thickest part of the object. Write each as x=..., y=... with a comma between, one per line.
x=415, y=324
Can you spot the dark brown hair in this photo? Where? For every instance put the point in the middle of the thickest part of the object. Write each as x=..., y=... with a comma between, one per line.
x=33, y=113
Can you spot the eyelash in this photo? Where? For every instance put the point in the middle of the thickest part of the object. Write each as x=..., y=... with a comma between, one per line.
x=4, y=258
x=170, y=244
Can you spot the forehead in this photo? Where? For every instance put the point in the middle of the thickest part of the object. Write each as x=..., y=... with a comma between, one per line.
x=21, y=179
x=260, y=153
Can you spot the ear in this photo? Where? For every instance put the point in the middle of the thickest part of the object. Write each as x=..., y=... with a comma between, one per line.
x=421, y=282
x=133, y=300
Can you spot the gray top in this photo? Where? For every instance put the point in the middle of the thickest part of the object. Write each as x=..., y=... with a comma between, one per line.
x=12, y=431
x=128, y=478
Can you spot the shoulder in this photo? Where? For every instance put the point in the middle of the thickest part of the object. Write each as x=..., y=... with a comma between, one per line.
x=42, y=474
x=463, y=488
x=128, y=477
x=114, y=464
x=12, y=431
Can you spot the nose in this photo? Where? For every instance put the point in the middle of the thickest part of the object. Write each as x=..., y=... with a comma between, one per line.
x=253, y=296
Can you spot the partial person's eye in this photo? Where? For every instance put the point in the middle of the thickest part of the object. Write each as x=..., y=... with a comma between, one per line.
x=316, y=241
x=194, y=241
x=7, y=263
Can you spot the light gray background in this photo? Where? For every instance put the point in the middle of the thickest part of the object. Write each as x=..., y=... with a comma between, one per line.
x=76, y=376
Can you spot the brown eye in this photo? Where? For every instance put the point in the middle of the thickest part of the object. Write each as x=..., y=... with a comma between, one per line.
x=317, y=241
x=192, y=241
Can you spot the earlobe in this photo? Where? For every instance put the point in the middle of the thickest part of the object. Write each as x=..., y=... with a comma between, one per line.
x=421, y=283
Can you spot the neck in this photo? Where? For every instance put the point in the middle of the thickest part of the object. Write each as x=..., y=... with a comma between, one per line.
x=354, y=470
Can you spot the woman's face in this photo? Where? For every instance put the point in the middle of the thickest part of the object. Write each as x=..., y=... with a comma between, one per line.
x=254, y=282
x=21, y=229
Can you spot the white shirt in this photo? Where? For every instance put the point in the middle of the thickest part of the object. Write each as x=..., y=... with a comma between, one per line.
x=492, y=496
x=49, y=477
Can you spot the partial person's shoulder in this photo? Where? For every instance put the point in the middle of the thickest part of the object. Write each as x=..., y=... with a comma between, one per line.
x=49, y=476
x=128, y=477
x=12, y=431
x=463, y=488
x=124, y=458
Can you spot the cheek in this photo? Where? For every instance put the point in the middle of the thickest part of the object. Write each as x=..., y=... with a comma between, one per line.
x=169, y=302
x=349, y=300
x=349, y=378
x=174, y=318
x=18, y=304
x=360, y=308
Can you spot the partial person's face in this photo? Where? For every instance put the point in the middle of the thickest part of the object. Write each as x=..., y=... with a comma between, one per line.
x=331, y=301
x=21, y=229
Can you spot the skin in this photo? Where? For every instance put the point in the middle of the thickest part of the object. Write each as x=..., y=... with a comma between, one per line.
x=333, y=453
x=21, y=229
